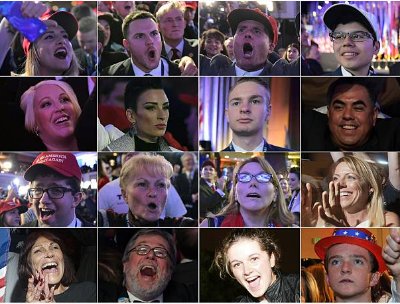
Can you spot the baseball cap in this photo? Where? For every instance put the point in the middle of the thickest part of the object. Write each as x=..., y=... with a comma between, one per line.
x=191, y=4
x=64, y=19
x=355, y=236
x=242, y=14
x=11, y=204
x=342, y=12
x=63, y=163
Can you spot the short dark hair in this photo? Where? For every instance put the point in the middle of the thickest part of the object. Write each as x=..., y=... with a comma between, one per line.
x=138, y=86
x=186, y=242
x=87, y=24
x=136, y=15
x=100, y=34
x=259, y=80
x=73, y=182
x=25, y=270
x=372, y=88
x=262, y=236
x=295, y=170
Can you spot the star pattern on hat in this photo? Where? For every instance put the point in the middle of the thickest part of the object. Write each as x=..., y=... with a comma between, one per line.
x=356, y=234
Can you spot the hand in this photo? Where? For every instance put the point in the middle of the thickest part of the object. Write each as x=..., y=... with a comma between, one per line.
x=39, y=290
x=221, y=183
x=31, y=9
x=195, y=197
x=331, y=212
x=187, y=66
x=309, y=211
x=391, y=253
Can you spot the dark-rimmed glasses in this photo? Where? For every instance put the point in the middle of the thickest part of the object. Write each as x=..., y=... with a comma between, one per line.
x=357, y=36
x=52, y=192
x=159, y=252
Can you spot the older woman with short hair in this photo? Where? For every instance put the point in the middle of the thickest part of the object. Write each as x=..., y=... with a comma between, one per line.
x=51, y=112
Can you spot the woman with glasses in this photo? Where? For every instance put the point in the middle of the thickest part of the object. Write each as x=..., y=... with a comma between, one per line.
x=48, y=273
x=255, y=200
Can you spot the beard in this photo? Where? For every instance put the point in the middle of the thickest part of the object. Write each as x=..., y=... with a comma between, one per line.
x=147, y=293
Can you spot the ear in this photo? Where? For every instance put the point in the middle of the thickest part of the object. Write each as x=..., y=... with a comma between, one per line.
x=124, y=195
x=271, y=47
x=77, y=199
x=272, y=260
x=126, y=44
x=226, y=114
x=377, y=47
x=130, y=115
x=375, y=116
x=268, y=115
x=374, y=279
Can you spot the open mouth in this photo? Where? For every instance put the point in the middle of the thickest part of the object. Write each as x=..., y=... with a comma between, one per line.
x=253, y=282
x=61, y=119
x=152, y=206
x=45, y=213
x=348, y=127
x=148, y=271
x=128, y=7
x=49, y=267
x=344, y=193
x=247, y=50
x=253, y=195
x=152, y=54
x=61, y=53
x=349, y=54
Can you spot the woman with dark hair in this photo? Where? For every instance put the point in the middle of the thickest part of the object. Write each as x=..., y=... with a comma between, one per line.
x=48, y=273
x=212, y=43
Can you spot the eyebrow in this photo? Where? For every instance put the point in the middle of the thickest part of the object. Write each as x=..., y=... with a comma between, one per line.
x=251, y=97
x=351, y=256
x=355, y=103
x=41, y=245
x=155, y=103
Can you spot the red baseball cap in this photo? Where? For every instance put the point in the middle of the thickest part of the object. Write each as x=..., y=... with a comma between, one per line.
x=242, y=14
x=208, y=162
x=8, y=205
x=355, y=236
x=64, y=19
x=63, y=163
x=191, y=4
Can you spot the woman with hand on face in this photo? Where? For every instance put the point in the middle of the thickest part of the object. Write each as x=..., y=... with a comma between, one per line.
x=48, y=273
x=355, y=198
x=147, y=108
x=251, y=257
x=51, y=112
x=145, y=181
x=255, y=200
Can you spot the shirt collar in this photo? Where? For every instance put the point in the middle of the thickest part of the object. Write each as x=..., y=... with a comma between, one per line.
x=371, y=71
x=75, y=223
x=179, y=47
x=158, y=71
x=259, y=148
x=241, y=72
x=133, y=298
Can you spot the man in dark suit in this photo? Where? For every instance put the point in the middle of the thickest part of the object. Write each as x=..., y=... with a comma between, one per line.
x=143, y=42
x=255, y=36
x=186, y=183
x=148, y=263
x=248, y=110
x=172, y=26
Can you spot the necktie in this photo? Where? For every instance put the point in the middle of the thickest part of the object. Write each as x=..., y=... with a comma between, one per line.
x=147, y=74
x=175, y=54
x=213, y=188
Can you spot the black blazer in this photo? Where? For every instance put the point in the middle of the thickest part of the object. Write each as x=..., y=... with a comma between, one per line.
x=124, y=68
x=190, y=49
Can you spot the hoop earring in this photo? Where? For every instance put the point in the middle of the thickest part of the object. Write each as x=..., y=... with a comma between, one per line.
x=36, y=131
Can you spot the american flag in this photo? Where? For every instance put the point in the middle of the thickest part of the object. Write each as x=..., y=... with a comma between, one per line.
x=4, y=247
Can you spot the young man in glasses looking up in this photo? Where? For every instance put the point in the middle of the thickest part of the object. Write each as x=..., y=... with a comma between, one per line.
x=54, y=190
x=148, y=263
x=355, y=39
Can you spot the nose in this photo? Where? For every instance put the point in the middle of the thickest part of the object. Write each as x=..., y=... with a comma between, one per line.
x=45, y=199
x=347, y=113
x=245, y=107
x=152, y=192
x=346, y=267
x=49, y=253
x=347, y=41
x=247, y=34
x=161, y=114
x=247, y=270
x=149, y=40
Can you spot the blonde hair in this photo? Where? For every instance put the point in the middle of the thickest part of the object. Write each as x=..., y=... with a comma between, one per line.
x=278, y=209
x=167, y=7
x=155, y=165
x=369, y=176
x=27, y=101
x=32, y=64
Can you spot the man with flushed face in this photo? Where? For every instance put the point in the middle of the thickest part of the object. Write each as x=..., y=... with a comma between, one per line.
x=54, y=190
x=142, y=41
x=353, y=263
x=148, y=263
x=352, y=122
x=255, y=36
x=171, y=22
x=354, y=37
x=248, y=110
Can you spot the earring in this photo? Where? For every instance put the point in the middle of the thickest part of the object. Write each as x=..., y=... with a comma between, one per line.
x=36, y=131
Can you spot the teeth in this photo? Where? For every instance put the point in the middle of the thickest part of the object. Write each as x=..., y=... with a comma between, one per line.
x=349, y=54
x=345, y=193
x=349, y=127
x=62, y=119
x=51, y=264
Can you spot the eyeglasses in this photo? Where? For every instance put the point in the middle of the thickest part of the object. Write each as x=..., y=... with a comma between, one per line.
x=357, y=36
x=159, y=252
x=52, y=192
x=260, y=177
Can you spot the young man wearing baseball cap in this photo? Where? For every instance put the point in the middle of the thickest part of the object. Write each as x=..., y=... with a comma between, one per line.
x=54, y=190
x=353, y=263
x=255, y=36
x=355, y=39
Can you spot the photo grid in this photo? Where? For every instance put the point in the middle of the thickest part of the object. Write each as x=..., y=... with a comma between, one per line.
x=200, y=151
